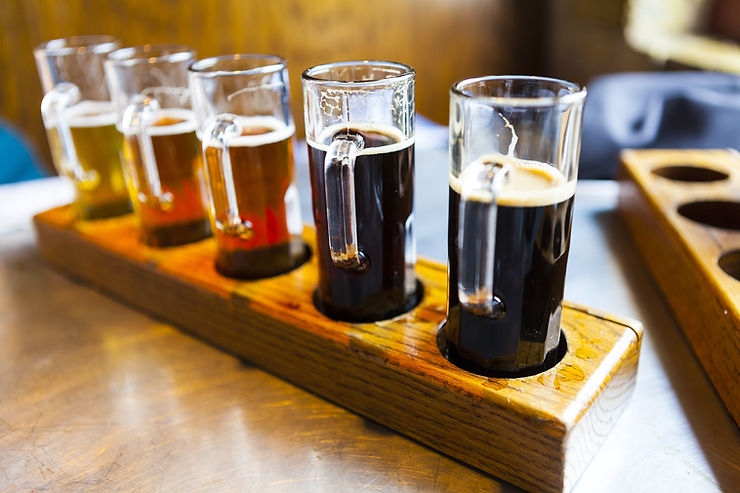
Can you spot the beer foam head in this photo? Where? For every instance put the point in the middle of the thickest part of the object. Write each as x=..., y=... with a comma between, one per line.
x=401, y=140
x=261, y=130
x=182, y=121
x=529, y=183
x=91, y=114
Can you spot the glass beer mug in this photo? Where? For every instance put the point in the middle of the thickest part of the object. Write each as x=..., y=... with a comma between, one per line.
x=360, y=134
x=80, y=122
x=149, y=85
x=242, y=103
x=514, y=148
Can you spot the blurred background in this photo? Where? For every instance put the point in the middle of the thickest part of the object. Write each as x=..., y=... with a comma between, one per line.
x=445, y=40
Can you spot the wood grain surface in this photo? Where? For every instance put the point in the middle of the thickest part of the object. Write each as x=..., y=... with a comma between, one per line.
x=683, y=254
x=97, y=397
x=538, y=432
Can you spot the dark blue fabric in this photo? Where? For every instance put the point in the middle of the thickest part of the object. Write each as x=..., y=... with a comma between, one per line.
x=17, y=161
x=678, y=110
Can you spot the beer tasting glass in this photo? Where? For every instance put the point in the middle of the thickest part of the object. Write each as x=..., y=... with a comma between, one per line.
x=242, y=104
x=514, y=148
x=149, y=85
x=360, y=133
x=80, y=122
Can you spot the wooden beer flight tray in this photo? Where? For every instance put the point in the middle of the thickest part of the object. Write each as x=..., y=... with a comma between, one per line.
x=683, y=210
x=538, y=432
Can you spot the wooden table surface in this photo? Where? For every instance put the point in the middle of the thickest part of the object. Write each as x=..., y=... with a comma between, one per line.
x=101, y=397
x=95, y=396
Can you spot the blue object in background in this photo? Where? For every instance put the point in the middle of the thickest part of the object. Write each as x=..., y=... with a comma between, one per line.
x=17, y=161
x=666, y=110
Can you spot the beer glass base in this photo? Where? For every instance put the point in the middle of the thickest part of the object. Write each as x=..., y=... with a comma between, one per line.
x=261, y=263
x=102, y=211
x=371, y=313
x=450, y=353
x=176, y=234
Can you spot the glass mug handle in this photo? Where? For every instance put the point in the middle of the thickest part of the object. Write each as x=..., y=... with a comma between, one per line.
x=136, y=120
x=223, y=128
x=53, y=106
x=339, y=184
x=481, y=183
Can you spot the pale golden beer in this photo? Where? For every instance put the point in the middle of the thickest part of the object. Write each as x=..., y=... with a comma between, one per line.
x=262, y=176
x=80, y=122
x=179, y=215
x=100, y=186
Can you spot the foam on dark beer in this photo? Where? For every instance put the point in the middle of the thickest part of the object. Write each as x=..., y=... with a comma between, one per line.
x=530, y=183
x=325, y=138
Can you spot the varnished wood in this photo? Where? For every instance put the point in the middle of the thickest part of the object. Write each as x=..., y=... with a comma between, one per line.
x=538, y=432
x=682, y=254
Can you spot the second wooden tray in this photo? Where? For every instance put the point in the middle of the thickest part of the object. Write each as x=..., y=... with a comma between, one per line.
x=538, y=432
x=683, y=210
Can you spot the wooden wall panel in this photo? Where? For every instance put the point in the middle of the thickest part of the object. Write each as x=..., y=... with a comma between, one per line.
x=585, y=38
x=444, y=40
x=20, y=89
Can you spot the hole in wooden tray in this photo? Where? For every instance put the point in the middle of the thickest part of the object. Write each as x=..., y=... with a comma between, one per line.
x=730, y=263
x=354, y=316
x=718, y=213
x=690, y=173
x=552, y=359
x=262, y=263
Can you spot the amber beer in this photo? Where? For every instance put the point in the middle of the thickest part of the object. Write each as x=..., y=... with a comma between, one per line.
x=531, y=252
x=100, y=187
x=179, y=215
x=262, y=171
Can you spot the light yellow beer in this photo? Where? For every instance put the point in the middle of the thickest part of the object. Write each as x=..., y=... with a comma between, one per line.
x=100, y=186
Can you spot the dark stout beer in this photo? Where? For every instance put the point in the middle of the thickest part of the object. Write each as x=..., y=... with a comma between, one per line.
x=267, y=200
x=385, y=285
x=531, y=252
x=179, y=215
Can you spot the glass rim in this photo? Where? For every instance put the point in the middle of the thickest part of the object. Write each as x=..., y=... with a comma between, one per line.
x=151, y=53
x=577, y=92
x=207, y=67
x=407, y=73
x=94, y=43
